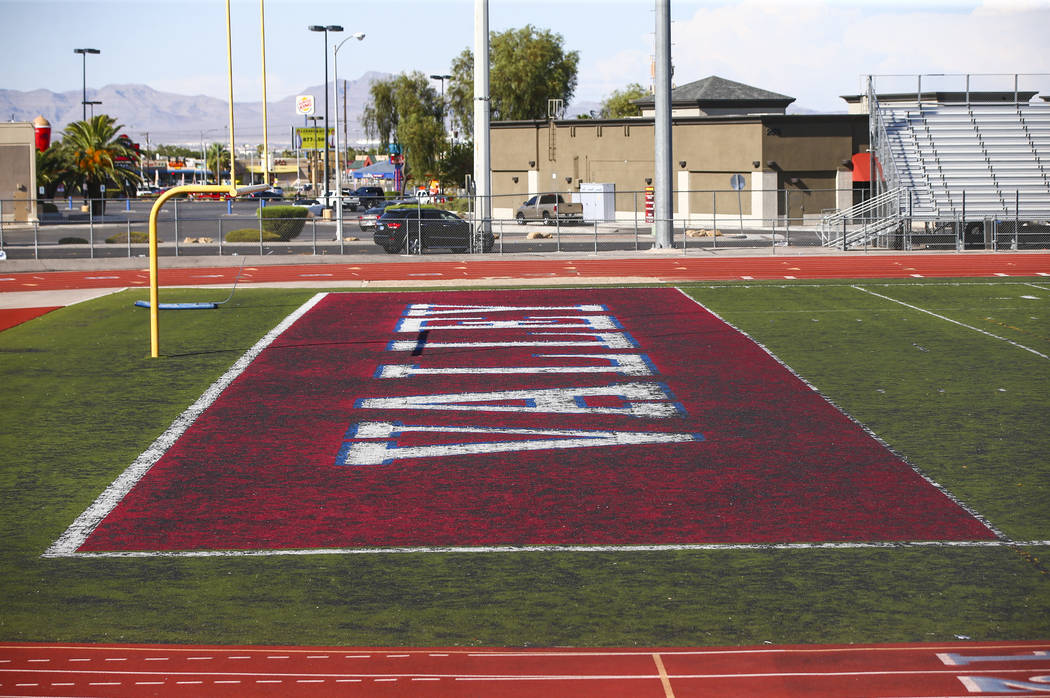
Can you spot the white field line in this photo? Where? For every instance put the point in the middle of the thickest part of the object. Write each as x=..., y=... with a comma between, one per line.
x=987, y=524
x=513, y=549
x=954, y=322
x=84, y=524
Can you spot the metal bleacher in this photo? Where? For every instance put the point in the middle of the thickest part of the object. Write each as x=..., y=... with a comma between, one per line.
x=972, y=159
x=956, y=162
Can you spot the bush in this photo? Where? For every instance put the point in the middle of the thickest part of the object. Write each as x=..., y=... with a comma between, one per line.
x=73, y=241
x=137, y=237
x=285, y=222
x=48, y=207
x=252, y=235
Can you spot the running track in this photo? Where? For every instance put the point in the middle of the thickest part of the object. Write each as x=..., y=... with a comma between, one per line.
x=921, y=670
x=862, y=671
x=666, y=268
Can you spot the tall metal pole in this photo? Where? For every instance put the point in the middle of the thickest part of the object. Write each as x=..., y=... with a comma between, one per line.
x=338, y=169
x=229, y=78
x=662, y=174
x=482, y=147
x=266, y=132
x=84, y=100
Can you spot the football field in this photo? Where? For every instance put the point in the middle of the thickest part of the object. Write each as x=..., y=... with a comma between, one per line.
x=708, y=464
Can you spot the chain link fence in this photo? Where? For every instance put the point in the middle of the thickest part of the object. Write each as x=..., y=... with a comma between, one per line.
x=704, y=221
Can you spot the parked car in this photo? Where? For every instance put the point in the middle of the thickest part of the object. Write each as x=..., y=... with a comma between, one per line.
x=364, y=197
x=413, y=229
x=312, y=205
x=210, y=196
x=366, y=220
x=548, y=208
x=268, y=194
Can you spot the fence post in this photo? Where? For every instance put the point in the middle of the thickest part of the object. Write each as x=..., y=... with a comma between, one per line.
x=313, y=228
x=557, y=227
x=259, y=214
x=36, y=240
x=175, y=204
x=635, y=221
x=220, y=236
x=91, y=229
x=714, y=220
x=595, y=237
x=1017, y=216
x=129, y=236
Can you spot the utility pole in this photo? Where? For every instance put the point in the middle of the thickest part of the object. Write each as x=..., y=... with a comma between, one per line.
x=663, y=203
x=482, y=146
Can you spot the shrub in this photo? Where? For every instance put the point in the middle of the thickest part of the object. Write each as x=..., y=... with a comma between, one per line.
x=73, y=241
x=286, y=222
x=48, y=207
x=137, y=237
x=252, y=235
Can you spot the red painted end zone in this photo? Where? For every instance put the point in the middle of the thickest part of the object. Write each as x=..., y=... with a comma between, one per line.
x=688, y=433
x=9, y=317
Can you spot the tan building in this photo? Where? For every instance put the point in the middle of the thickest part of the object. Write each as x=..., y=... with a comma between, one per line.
x=17, y=173
x=791, y=164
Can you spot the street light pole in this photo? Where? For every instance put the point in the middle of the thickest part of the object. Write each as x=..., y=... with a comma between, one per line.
x=83, y=54
x=442, y=78
x=325, y=29
x=338, y=169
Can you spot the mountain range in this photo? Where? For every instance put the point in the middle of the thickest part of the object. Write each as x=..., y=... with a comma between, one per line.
x=149, y=115
x=154, y=118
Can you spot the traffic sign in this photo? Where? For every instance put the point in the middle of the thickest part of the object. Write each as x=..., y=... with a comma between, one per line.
x=737, y=182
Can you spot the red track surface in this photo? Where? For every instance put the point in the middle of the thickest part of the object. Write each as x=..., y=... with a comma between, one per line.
x=670, y=268
x=954, y=669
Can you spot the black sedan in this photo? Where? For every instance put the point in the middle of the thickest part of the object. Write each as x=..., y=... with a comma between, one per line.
x=413, y=229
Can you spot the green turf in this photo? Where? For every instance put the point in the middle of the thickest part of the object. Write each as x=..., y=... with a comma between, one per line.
x=82, y=400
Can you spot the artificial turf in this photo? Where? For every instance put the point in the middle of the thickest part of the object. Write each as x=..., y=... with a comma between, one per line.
x=82, y=400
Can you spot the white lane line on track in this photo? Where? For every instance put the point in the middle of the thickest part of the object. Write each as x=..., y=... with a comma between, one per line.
x=954, y=322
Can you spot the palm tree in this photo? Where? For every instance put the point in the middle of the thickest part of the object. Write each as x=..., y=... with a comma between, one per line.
x=218, y=158
x=54, y=168
x=101, y=157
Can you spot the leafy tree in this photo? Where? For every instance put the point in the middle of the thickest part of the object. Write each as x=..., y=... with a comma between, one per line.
x=456, y=163
x=528, y=66
x=176, y=151
x=98, y=155
x=621, y=104
x=406, y=110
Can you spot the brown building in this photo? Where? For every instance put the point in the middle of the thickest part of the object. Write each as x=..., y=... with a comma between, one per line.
x=791, y=164
x=17, y=173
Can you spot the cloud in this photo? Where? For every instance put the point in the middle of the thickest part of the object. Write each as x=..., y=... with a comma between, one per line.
x=817, y=51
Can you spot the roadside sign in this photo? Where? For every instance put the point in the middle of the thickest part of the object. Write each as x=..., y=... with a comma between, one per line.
x=737, y=182
x=313, y=138
x=650, y=198
x=304, y=104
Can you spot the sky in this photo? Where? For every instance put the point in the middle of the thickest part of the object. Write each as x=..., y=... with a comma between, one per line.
x=813, y=50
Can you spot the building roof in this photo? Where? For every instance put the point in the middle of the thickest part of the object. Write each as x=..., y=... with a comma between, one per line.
x=716, y=91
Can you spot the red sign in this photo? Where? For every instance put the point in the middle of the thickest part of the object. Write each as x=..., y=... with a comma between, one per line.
x=650, y=195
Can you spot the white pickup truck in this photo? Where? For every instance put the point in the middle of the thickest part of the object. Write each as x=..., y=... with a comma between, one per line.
x=549, y=208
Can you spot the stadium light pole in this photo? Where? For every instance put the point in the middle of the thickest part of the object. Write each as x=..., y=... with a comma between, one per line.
x=325, y=29
x=84, y=54
x=338, y=169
